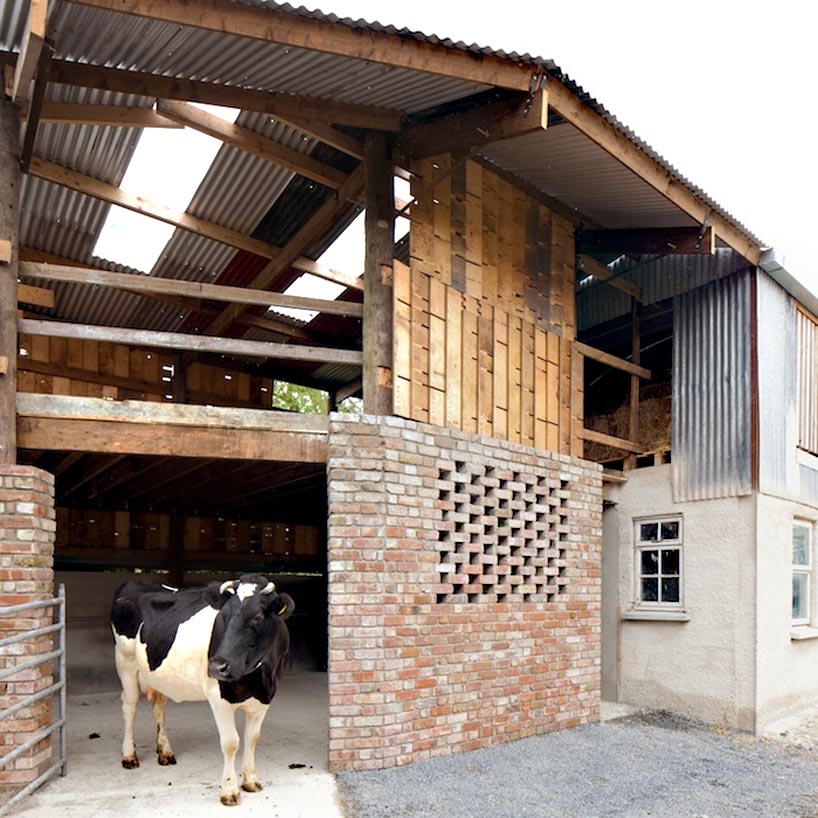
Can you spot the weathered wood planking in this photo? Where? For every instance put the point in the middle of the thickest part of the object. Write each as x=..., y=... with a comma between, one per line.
x=484, y=316
x=101, y=369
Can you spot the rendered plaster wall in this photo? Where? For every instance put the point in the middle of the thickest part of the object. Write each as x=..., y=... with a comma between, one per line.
x=703, y=667
x=464, y=591
x=787, y=666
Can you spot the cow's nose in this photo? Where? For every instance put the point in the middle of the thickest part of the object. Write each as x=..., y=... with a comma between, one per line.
x=218, y=669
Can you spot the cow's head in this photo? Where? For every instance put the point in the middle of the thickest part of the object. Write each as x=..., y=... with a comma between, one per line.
x=250, y=628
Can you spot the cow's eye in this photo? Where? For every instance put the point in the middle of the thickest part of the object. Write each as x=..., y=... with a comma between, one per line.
x=257, y=622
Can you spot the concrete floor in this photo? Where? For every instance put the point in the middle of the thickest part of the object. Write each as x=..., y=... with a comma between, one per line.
x=96, y=786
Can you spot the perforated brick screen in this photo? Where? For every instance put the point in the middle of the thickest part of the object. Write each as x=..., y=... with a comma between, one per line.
x=502, y=533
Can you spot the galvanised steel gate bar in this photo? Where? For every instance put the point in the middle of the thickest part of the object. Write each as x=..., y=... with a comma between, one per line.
x=56, y=689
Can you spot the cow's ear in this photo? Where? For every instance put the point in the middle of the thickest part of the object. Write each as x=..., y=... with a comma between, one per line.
x=216, y=594
x=283, y=606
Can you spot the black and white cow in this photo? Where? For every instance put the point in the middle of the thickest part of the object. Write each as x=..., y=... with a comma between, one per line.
x=225, y=643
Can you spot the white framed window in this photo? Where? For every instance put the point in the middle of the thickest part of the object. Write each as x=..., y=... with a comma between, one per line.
x=801, y=572
x=659, y=563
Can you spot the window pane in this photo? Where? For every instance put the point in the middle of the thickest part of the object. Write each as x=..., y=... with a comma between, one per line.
x=800, y=545
x=670, y=561
x=799, y=596
x=670, y=589
x=650, y=590
x=650, y=562
x=649, y=532
x=670, y=531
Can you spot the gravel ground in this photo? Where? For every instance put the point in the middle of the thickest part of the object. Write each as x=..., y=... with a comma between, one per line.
x=650, y=764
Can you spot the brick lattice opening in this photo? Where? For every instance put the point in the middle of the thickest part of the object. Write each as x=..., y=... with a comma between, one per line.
x=502, y=534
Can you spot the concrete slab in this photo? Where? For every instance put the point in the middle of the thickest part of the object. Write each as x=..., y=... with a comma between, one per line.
x=291, y=760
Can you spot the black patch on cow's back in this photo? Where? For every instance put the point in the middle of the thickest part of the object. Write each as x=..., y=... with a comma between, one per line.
x=159, y=612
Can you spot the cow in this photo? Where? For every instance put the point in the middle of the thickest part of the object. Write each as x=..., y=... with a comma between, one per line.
x=224, y=643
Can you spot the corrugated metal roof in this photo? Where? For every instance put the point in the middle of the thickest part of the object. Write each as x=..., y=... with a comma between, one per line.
x=658, y=277
x=249, y=194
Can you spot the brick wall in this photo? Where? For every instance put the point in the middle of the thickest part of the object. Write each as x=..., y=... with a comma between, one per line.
x=26, y=575
x=464, y=591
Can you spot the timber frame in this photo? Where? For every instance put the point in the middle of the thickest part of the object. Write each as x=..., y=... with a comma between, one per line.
x=469, y=323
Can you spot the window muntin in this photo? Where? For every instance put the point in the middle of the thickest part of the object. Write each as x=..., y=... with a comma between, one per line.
x=801, y=572
x=659, y=562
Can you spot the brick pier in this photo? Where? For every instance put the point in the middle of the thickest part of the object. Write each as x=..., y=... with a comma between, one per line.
x=464, y=591
x=27, y=531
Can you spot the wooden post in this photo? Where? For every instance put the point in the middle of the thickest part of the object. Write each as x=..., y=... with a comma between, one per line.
x=9, y=223
x=378, y=276
x=636, y=343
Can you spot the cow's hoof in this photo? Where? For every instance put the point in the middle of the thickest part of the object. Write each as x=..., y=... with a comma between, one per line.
x=252, y=786
x=130, y=762
x=231, y=799
x=164, y=760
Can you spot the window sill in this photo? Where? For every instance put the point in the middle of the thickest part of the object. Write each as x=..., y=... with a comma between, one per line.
x=656, y=616
x=799, y=633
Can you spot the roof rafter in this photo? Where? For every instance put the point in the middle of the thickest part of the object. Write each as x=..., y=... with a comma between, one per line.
x=278, y=105
x=114, y=116
x=251, y=142
x=462, y=131
x=276, y=26
x=30, y=50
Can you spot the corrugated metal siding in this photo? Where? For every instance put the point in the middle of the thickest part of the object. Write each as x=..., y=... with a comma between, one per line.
x=777, y=411
x=658, y=278
x=711, y=425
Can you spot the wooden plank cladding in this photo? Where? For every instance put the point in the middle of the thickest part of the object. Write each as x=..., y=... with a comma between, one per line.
x=100, y=369
x=484, y=313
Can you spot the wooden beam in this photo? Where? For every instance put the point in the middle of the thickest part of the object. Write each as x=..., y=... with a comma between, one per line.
x=636, y=356
x=54, y=422
x=108, y=116
x=606, y=135
x=73, y=180
x=601, y=272
x=651, y=240
x=306, y=236
x=612, y=360
x=328, y=274
x=348, y=390
x=30, y=50
x=152, y=439
x=280, y=106
x=246, y=140
x=35, y=107
x=609, y=440
x=194, y=343
x=10, y=180
x=278, y=26
x=193, y=289
x=378, y=372
x=35, y=296
x=505, y=119
x=327, y=134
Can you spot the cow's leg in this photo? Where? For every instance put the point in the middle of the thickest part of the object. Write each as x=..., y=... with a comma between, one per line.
x=225, y=716
x=254, y=716
x=130, y=698
x=163, y=750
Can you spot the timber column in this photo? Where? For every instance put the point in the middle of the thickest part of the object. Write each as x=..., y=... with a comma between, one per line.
x=378, y=275
x=9, y=225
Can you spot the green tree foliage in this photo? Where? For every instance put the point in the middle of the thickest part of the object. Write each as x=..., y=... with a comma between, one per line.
x=295, y=398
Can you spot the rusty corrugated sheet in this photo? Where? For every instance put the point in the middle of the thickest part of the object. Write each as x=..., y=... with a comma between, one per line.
x=712, y=403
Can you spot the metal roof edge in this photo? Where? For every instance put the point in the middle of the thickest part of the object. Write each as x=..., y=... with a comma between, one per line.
x=773, y=268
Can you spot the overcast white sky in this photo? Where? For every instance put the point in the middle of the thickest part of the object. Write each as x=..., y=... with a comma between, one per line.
x=723, y=90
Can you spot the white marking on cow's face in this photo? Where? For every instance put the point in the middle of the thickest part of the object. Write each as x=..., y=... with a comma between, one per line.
x=245, y=590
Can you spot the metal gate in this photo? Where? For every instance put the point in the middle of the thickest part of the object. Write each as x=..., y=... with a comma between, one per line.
x=55, y=690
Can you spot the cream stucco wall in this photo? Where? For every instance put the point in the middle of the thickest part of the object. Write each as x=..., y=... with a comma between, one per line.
x=787, y=667
x=703, y=667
